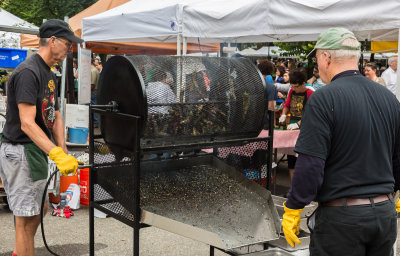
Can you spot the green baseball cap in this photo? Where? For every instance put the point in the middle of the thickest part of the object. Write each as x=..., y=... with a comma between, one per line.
x=332, y=38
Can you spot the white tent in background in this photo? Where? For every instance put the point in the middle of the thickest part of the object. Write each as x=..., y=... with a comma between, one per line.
x=272, y=51
x=10, y=22
x=379, y=56
x=265, y=51
x=248, y=52
x=243, y=21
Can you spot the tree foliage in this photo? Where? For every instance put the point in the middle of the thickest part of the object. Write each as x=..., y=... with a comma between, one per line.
x=300, y=49
x=34, y=11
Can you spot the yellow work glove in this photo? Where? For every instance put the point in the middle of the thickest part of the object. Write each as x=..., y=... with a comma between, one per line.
x=291, y=224
x=398, y=205
x=65, y=163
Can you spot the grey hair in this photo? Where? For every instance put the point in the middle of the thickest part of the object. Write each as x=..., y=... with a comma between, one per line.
x=44, y=41
x=391, y=59
x=343, y=54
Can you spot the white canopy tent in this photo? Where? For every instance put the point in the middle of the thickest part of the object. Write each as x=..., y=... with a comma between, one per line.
x=247, y=52
x=378, y=56
x=10, y=27
x=242, y=21
x=272, y=51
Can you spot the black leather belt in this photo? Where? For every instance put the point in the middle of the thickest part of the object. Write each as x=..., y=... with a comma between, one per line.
x=357, y=201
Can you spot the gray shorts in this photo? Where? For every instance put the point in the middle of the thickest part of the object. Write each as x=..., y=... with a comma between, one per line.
x=24, y=195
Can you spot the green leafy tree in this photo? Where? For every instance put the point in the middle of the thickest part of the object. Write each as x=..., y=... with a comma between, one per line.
x=299, y=49
x=34, y=11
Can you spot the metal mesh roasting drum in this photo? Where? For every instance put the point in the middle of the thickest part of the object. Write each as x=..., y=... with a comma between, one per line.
x=182, y=99
x=207, y=114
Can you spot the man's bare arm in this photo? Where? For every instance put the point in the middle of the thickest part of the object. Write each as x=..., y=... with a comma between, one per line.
x=58, y=132
x=27, y=114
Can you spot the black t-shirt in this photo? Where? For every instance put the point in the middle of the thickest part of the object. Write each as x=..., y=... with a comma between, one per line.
x=31, y=82
x=354, y=125
x=297, y=103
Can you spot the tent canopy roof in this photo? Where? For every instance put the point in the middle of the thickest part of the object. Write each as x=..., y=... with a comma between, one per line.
x=12, y=23
x=102, y=6
x=98, y=7
x=242, y=21
x=9, y=19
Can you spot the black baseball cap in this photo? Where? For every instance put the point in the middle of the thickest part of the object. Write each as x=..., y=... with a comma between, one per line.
x=58, y=28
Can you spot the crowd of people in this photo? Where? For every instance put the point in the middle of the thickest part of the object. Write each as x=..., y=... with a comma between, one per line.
x=278, y=73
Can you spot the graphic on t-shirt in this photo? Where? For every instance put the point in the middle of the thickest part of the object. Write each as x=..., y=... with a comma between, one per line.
x=48, y=103
x=296, y=105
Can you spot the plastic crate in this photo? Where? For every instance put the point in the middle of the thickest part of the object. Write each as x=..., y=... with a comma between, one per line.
x=11, y=58
x=254, y=176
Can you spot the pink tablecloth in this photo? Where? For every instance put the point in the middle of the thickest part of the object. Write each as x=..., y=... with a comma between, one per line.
x=284, y=142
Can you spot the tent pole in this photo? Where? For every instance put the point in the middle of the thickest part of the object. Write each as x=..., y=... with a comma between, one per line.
x=63, y=79
x=178, y=45
x=398, y=68
x=78, y=49
x=62, y=90
x=184, y=45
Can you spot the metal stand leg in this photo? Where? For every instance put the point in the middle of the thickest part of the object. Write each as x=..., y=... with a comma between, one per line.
x=136, y=241
x=136, y=188
x=91, y=226
x=274, y=182
x=212, y=249
x=91, y=184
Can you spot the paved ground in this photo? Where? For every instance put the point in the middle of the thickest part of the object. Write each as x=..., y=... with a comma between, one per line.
x=71, y=236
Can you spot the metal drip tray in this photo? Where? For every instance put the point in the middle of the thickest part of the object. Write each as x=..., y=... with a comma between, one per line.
x=272, y=252
x=204, y=199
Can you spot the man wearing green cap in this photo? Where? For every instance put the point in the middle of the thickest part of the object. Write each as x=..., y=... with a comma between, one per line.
x=349, y=157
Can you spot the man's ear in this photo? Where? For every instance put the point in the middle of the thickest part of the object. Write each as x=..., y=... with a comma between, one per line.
x=53, y=41
x=328, y=58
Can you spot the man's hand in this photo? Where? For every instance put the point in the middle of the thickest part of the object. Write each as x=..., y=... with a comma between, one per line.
x=65, y=163
x=291, y=224
x=282, y=119
x=293, y=126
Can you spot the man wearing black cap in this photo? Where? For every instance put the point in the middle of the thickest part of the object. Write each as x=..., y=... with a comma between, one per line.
x=349, y=157
x=33, y=130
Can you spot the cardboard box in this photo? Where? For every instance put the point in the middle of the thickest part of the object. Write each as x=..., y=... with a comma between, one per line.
x=76, y=115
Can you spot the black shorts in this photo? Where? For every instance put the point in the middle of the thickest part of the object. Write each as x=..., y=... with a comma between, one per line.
x=291, y=161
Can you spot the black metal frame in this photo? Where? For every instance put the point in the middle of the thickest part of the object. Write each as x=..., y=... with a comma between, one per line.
x=136, y=179
x=137, y=151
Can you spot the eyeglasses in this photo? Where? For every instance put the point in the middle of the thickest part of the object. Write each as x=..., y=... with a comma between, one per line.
x=67, y=44
x=314, y=59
